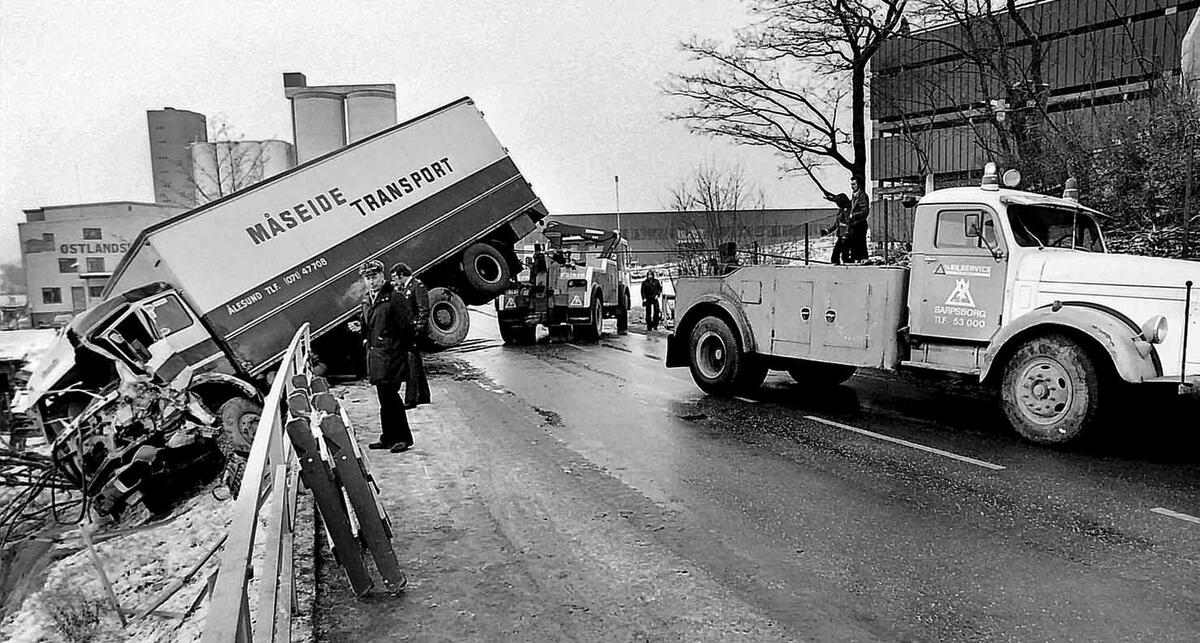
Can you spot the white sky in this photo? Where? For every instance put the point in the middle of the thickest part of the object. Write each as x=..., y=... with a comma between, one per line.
x=571, y=88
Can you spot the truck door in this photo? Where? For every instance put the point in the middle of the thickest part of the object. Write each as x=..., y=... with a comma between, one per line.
x=179, y=337
x=957, y=275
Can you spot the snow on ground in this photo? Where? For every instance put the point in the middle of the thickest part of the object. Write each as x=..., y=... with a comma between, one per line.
x=25, y=345
x=139, y=565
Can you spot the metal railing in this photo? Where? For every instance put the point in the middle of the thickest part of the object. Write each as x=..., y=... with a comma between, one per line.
x=271, y=474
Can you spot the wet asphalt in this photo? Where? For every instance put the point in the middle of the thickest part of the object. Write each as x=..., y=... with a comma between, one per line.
x=892, y=507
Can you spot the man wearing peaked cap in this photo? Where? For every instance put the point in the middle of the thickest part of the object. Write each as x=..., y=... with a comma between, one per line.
x=386, y=323
x=416, y=297
x=373, y=265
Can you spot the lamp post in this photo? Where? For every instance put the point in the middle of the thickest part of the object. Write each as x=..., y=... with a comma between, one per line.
x=617, y=187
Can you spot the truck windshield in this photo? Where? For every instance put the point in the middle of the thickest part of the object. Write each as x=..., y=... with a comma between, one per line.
x=1034, y=226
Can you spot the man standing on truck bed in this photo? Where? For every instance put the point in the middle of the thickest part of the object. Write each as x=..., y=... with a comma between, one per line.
x=860, y=211
x=387, y=327
x=416, y=296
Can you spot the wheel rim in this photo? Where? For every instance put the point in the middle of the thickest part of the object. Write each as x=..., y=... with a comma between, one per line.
x=488, y=269
x=711, y=355
x=248, y=425
x=444, y=316
x=1044, y=391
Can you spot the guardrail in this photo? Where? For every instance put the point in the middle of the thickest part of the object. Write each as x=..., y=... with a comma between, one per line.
x=304, y=434
x=271, y=473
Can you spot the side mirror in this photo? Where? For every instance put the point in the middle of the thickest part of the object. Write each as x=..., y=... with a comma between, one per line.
x=971, y=225
x=909, y=201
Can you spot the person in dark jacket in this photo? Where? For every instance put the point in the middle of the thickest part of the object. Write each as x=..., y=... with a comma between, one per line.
x=651, y=290
x=860, y=211
x=416, y=297
x=387, y=327
x=841, y=248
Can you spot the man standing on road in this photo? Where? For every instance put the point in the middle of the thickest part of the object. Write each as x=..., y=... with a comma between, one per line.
x=860, y=211
x=416, y=296
x=387, y=328
x=651, y=291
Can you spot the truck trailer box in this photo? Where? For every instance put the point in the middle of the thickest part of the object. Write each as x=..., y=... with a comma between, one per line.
x=259, y=263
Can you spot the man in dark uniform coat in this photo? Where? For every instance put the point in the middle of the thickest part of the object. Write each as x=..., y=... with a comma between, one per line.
x=416, y=296
x=860, y=212
x=651, y=291
x=387, y=327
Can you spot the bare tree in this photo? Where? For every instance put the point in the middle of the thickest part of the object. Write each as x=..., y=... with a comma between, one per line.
x=713, y=205
x=12, y=279
x=785, y=82
x=224, y=164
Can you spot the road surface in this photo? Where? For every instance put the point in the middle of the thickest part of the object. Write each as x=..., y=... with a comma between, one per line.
x=569, y=491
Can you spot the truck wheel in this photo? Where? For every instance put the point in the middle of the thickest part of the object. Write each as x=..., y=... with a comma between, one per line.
x=518, y=334
x=1051, y=390
x=486, y=269
x=623, y=312
x=817, y=374
x=449, y=320
x=718, y=364
x=239, y=420
x=591, y=331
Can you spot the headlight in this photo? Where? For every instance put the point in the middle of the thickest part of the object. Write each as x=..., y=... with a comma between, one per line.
x=1155, y=329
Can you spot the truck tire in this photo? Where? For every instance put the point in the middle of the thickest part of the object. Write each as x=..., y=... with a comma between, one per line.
x=717, y=361
x=1050, y=390
x=817, y=374
x=518, y=334
x=449, y=320
x=486, y=270
x=623, y=312
x=591, y=331
x=239, y=421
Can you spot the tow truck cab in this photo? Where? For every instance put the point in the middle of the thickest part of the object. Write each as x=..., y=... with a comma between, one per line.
x=582, y=278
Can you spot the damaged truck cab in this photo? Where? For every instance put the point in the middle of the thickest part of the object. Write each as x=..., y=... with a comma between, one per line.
x=1014, y=289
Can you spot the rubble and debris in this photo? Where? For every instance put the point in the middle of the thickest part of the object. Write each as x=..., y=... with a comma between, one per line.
x=142, y=444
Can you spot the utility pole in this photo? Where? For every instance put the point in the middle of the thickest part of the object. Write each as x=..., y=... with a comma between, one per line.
x=617, y=186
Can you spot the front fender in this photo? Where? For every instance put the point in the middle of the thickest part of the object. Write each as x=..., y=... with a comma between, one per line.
x=703, y=306
x=1134, y=358
x=217, y=388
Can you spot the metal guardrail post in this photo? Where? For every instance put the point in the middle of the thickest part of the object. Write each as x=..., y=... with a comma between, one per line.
x=228, y=612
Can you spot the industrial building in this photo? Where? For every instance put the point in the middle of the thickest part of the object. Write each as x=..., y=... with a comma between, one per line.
x=930, y=104
x=657, y=237
x=223, y=167
x=69, y=252
x=172, y=133
x=328, y=117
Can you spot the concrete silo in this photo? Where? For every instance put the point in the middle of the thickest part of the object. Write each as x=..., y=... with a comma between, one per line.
x=277, y=156
x=369, y=111
x=171, y=132
x=318, y=123
x=205, y=172
x=328, y=117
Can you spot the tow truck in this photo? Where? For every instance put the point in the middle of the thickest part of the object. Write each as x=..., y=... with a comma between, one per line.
x=1014, y=290
x=583, y=279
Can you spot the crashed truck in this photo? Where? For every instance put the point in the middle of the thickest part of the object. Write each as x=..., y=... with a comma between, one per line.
x=1014, y=290
x=202, y=307
x=582, y=279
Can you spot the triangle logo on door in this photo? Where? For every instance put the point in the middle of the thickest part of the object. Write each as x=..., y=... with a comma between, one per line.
x=961, y=295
